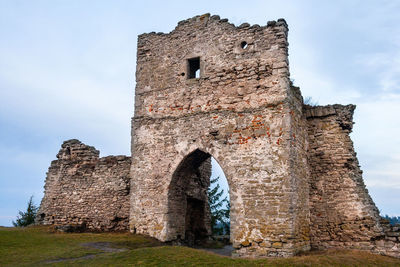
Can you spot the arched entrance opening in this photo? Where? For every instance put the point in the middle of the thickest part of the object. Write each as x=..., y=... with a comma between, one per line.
x=219, y=202
x=189, y=214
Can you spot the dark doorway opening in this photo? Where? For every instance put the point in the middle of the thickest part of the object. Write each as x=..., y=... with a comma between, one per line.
x=188, y=209
x=191, y=214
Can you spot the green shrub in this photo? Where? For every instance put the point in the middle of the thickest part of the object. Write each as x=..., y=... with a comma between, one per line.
x=28, y=217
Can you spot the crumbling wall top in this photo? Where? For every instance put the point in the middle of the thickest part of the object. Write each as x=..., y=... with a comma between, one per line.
x=84, y=191
x=74, y=149
x=205, y=18
x=344, y=114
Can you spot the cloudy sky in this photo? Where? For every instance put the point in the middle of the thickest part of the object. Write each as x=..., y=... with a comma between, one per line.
x=67, y=71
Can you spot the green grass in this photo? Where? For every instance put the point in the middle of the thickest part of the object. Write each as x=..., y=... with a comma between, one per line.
x=33, y=246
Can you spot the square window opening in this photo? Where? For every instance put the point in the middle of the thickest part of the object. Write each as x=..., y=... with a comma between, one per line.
x=194, y=68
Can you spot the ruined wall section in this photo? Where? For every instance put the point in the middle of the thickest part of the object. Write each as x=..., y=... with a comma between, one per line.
x=239, y=112
x=343, y=214
x=389, y=244
x=86, y=192
x=299, y=169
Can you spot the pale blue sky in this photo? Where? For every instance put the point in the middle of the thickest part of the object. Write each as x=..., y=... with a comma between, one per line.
x=67, y=71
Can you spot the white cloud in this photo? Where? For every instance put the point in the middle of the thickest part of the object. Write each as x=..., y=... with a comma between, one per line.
x=383, y=178
x=68, y=102
x=324, y=89
x=385, y=66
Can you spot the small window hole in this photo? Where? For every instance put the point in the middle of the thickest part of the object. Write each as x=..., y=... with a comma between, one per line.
x=244, y=45
x=194, y=68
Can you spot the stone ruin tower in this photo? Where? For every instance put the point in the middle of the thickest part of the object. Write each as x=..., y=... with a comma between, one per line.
x=240, y=109
x=293, y=175
x=211, y=89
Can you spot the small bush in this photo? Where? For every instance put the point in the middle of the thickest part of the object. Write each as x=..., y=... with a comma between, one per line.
x=28, y=217
x=309, y=101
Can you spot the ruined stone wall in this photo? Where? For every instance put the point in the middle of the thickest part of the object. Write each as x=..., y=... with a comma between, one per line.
x=293, y=175
x=85, y=191
x=389, y=243
x=299, y=170
x=343, y=214
x=241, y=111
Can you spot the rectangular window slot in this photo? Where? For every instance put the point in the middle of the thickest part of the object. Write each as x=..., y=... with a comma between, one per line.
x=194, y=68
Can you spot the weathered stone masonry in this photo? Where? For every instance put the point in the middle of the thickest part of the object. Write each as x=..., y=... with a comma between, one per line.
x=343, y=214
x=85, y=191
x=241, y=111
x=294, y=178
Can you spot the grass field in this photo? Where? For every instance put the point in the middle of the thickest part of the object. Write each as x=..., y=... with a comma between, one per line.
x=41, y=246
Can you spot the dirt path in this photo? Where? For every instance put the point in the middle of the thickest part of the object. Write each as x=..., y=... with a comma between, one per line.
x=90, y=256
x=105, y=247
x=225, y=251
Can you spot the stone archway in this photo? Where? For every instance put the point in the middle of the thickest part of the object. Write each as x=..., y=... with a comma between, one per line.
x=188, y=215
x=188, y=210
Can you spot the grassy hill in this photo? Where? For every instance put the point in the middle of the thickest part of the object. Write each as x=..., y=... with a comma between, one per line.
x=41, y=246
